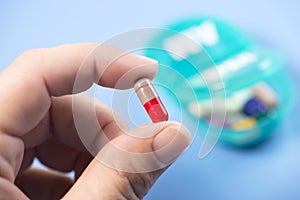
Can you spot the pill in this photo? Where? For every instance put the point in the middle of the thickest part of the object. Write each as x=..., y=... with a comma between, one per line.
x=244, y=124
x=266, y=94
x=150, y=100
x=231, y=104
x=254, y=107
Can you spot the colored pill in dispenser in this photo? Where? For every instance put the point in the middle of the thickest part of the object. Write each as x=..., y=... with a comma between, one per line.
x=263, y=101
x=150, y=100
x=243, y=123
x=243, y=109
x=254, y=107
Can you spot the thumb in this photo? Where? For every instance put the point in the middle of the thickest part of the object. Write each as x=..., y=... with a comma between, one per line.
x=128, y=166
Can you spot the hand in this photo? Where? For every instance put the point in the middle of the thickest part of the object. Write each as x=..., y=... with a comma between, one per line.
x=36, y=120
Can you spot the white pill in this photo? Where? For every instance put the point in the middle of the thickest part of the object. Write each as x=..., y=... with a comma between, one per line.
x=217, y=106
x=266, y=94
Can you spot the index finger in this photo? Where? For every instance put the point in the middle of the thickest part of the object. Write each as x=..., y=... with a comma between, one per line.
x=35, y=76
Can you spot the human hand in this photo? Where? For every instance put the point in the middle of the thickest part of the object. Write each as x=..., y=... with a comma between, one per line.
x=37, y=120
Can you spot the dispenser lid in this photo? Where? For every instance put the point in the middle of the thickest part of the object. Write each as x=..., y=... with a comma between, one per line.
x=213, y=55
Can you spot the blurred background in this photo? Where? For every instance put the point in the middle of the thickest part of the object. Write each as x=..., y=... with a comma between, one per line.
x=268, y=171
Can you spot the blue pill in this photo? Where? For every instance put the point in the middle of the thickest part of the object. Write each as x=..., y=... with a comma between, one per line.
x=254, y=107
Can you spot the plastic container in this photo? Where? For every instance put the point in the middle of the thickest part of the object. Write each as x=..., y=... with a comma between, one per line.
x=209, y=60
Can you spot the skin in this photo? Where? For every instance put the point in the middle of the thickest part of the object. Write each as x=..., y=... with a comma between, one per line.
x=34, y=92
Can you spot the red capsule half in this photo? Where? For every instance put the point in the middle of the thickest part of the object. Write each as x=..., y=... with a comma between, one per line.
x=150, y=100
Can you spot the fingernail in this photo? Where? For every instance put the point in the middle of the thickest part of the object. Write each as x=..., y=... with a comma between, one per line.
x=147, y=59
x=169, y=144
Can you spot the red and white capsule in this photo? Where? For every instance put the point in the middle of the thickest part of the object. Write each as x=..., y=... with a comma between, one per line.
x=150, y=100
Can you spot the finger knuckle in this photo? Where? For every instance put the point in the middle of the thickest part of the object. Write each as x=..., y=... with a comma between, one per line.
x=10, y=159
x=31, y=53
x=139, y=184
x=32, y=57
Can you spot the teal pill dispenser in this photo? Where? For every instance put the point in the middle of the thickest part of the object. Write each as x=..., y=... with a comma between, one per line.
x=223, y=79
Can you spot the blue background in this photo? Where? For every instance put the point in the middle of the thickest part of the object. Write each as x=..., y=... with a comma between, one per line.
x=269, y=171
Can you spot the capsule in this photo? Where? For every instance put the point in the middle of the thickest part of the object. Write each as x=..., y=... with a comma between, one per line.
x=254, y=107
x=150, y=100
